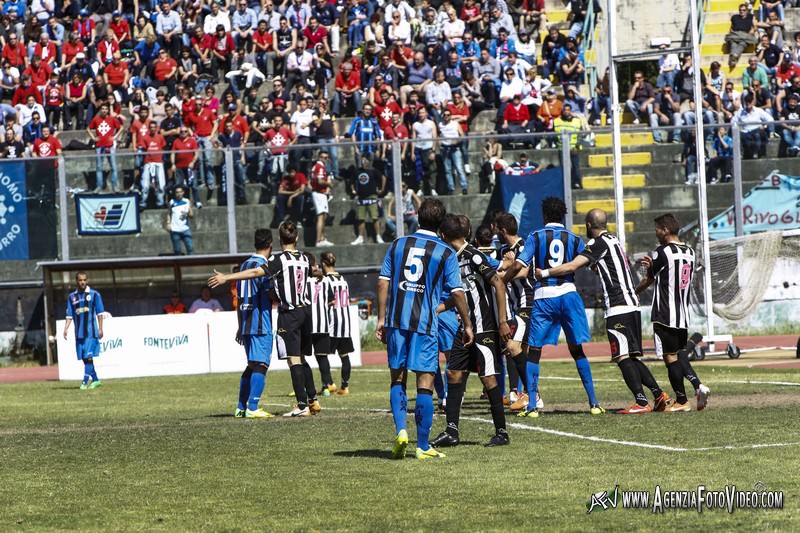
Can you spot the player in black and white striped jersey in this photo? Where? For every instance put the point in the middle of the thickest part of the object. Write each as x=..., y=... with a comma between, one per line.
x=671, y=267
x=320, y=294
x=289, y=272
x=623, y=319
x=485, y=293
x=339, y=326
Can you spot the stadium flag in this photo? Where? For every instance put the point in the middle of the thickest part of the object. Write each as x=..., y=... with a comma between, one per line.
x=520, y=192
x=772, y=205
x=13, y=211
x=107, y=214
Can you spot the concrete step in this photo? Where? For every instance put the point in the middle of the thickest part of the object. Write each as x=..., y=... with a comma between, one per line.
x=722, y=26
x=607, y=204
x=638, y=138
x=630, y=158
x=711, y=17
x=723, y=6
x=629, y=181
x=557, y=15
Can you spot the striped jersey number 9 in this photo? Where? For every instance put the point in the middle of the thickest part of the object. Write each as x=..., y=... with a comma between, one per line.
x=686, y=275
x=413, y=269
x=556, y=253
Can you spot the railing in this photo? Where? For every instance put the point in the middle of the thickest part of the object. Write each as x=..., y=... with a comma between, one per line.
x=587, y=43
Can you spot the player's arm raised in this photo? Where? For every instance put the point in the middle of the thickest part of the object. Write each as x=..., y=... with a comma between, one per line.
x=562, y=270
x=219, y=278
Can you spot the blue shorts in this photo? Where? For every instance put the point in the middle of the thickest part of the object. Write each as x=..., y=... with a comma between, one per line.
x=258, y=348
x=87, y=348
x=448, y=326
x=550, y=315
x=411, y=350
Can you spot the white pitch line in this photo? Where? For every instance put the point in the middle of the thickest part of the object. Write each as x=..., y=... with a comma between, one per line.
x=754, y=382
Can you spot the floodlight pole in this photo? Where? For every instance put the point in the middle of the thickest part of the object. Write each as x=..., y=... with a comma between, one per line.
x=616, y=117
x=701, y=168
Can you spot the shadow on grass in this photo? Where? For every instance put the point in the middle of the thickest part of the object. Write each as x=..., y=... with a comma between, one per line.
x=371, y=454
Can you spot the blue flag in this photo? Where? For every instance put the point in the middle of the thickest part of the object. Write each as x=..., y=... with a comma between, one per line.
x=13, y=212
x=521, y=194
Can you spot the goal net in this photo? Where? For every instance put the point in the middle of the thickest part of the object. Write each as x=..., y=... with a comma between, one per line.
x=748, y=270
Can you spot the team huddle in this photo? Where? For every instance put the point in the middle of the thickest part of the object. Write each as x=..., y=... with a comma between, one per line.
x=313, y=318
x=483, y=305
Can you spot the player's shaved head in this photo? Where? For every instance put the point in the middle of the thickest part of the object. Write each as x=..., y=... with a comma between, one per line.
x=553, y=210
x=431, y=214
x=597, y=219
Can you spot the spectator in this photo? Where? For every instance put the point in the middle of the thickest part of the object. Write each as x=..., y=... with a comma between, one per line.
x=152, y=144
x=791, y=132
x=285, y=40
x=368, y=185
x=216, y=18
x=279, y=138
x=233, y=139
x=184, y=156
x=752, y=120
x=512, y=86
x=300, y=66
x=178, y=215
x=425, y=136
x=325, y=131
x=666, y=112
x=143, y=29
x=75, y=95
x=410, y=202
x=524, y=165
x=572, y=125
x=640, y=97
x=400, y=29
x=165, y=71
x=46, y=145
x=243, y=24
x=222, y=48
x=264, y=49
x=366, y=131
x=526, y=47
x=53, y=101
x=689, y=157
x=668, y=66
x=9, y=80
x=321, y=182
x=516, y=117
x=175, y=305
x=575, y=100
x=578, y=10
x=783, y=95
x=206, y=301
x=117, y=76
x=107, y=47
x=389, y=73
x=500, y=21
x=487, y=71
x=552, y=45
x=104, y=131
x=144, y=54
x=772, y=27
x=33, y=130
x=502, y=45
x=730, y=101
x=742, y=34
x=15, y=53
x=203, y=122
x=684, y=86
x=767, y=53
x=328, y=17
x=26, y=111
x=46, y=50
x=291, y=195
x=121, y=29
x=11, y=147
x=357, y=19
x=601, y=103
x=713, y=90
x=723, y=161
x=451, y=136
x=244, y=78
x=550, y=110
x=787, y=70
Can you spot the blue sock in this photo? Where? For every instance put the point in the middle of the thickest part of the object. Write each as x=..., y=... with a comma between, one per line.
x=244, y=392
x=532, y=371
x=399, y=403
x=257, y=381
x=438, y=384
x=88, y=368
x=423, y=414
x=585, y=371
x=93, y=372
x=520, y=385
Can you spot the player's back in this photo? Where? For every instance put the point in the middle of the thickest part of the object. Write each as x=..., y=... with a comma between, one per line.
x=289, y=272
x=419, y=268
x=339, y=306
x=606, y=252
x=673, y=270
x=552, y=246
x=255, y=304
x=319, y=292
x=519, y=290
x=477, y=269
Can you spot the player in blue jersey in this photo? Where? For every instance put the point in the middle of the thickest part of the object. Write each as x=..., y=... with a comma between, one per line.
x=417, y=270
x=84, y=307
x=254, y=312
x=556, y=303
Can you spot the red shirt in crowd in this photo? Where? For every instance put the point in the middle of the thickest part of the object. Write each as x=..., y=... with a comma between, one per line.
x=516, y=114
x=353, y=81
x=54, y=95
x=239, y=123
x=47, y=147
x=278, y=140
x=106, y=50
x=384, y=113
x=461, y=111
x=290, y=184
x=315, y=37
x=263, y=41
x=84, y=27
x=105, y=128
x=398, y=132
x=75, y=90
x=153, y=146
x=141, y=129
x=121, y=29
x=177, y=309
x=203, y=122
x=184, y=159
x=163, y=68
x=319, y=173
x=222, y=45
x=46, y=53
x=21, y=94
x=39, y=76
x=69, y=50
x=15, y=55
x=115, y=72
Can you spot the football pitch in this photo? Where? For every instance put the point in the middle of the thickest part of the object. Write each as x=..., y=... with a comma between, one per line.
x=166, y=454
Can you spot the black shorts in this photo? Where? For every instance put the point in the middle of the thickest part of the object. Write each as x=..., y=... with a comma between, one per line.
x=322, y=343
x=294, y=332
x=625, y=334
x=482, y=357
x=522, y=325
x=342, y=345
x=669, y=340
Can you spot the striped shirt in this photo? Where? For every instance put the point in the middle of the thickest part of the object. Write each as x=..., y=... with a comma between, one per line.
x=320, y=292
x=289, y=271
x=673, y=269
x=254, y=310
x=419, y=268
x=619, y=291
x=364, y=131
x=519, y=290
x=476, y=276
x=546, y=248
x=339, y=308
x=83, y=308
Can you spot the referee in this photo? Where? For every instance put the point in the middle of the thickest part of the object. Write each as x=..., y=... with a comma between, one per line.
x=623, y=319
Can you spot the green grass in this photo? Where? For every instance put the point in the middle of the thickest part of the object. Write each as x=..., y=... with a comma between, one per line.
x=165, y=454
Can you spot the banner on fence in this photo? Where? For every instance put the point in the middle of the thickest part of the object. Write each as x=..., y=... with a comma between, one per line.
x=13, y=212
x=521, y=194
x=107, y=214
x=772, y=205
